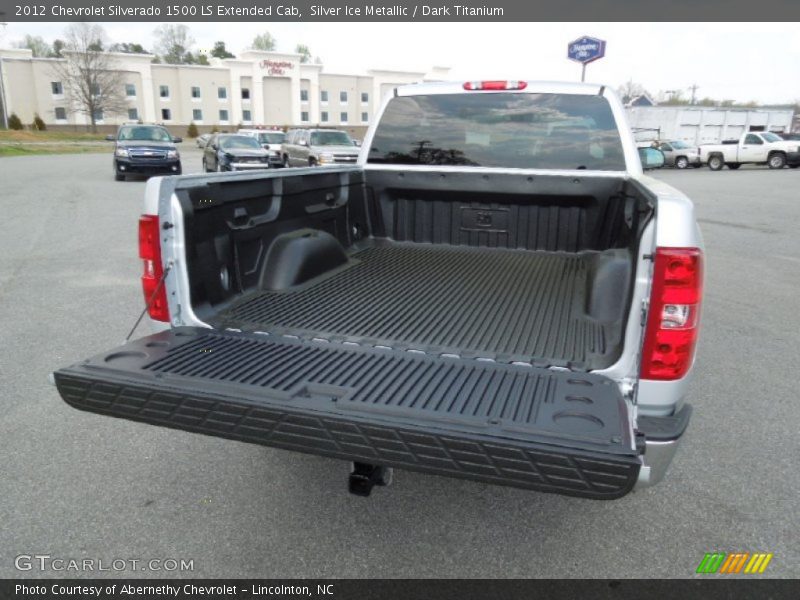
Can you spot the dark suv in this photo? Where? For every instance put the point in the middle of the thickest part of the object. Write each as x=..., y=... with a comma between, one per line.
x=145, y=150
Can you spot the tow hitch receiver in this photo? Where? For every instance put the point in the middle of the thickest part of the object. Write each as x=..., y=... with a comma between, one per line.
x=364, y=476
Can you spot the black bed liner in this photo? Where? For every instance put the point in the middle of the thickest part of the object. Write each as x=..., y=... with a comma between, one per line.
x=501, y=423
x=505, y=304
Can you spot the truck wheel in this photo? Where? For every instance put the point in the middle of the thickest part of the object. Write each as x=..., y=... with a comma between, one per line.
x=681, y=162
x=734, y=166
x=205, y=166
x=794, y=166
x=715, y=163
x=777, y=160
x=286, y=161
x=312, y=162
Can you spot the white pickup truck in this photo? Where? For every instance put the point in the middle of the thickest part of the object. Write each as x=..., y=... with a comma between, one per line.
x=759, y=147
x=494, y=291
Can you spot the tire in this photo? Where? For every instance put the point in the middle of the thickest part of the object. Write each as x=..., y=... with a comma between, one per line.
x=777, y=160
x=205, y=166
x=681, y=162
x=734, y=166
x=312, y=162
x=715, y=162
x=119, y=176
x=286, y=161
x=794, y=166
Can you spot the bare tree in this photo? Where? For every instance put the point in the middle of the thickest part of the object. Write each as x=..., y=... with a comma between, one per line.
x=90, y=77
x=174, y=44
x=630, y=90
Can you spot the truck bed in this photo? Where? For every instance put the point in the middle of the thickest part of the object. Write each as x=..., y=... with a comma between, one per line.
x=504, y=304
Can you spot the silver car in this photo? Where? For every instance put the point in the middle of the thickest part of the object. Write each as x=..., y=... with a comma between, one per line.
x=679, y=154
x=316, y=147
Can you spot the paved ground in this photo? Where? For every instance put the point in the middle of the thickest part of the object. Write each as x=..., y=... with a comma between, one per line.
x=78, y=485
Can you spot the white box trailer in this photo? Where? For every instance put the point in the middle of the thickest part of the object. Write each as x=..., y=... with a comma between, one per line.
x=698, y=125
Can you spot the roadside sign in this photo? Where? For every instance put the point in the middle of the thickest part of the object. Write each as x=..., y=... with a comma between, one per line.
x=586, y=49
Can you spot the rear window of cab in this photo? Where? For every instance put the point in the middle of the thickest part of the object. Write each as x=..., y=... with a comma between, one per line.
x=513, y=130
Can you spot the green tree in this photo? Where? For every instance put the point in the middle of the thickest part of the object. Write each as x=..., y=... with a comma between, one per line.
x=37, y=45
x=220, y=51
x=38, y=123
x=191, y=131
x=128, y=48
x=58, y=46
x=14, y=122
x=304, y=52
x=263, y=41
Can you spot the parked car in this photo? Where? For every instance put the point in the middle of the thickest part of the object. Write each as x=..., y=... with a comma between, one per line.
x=202, y=140
x=759, y=147
x=315, y=147
x=145, y=150
x=233, y=152
x=494, y=292
x=679, y=154
x=270, y=140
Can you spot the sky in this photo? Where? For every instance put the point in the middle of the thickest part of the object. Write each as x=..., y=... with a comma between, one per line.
x=737, y=61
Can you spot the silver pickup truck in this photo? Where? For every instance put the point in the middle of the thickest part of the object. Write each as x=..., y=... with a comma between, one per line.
x=494, y=291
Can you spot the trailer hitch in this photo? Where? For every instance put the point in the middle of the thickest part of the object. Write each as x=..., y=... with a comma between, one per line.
x=364, y=476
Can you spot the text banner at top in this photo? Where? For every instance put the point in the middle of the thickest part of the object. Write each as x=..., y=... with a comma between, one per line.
x=398, y=10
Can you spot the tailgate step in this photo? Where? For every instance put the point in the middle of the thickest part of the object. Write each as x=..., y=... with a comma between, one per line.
x=506, y=424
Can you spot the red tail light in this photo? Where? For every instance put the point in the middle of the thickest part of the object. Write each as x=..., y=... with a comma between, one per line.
x=150, y=252
x=673, y=320
x=495, y=85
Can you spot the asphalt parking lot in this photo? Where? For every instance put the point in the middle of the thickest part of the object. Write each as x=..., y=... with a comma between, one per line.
x=78, y=485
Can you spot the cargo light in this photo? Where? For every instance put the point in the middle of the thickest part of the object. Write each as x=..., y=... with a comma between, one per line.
x=155, y=293
x=495, y=85
x=674, y=315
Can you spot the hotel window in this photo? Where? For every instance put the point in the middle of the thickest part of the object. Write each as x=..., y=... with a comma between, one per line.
x=303, y=95
x=304, y=117
x=163, y=91
x=223, y=116
x=166, y=114
x=364, y=98
x=245, y=94
x=343, y=117
x=58, y=89
x=61, y=113
x=323, y=116
x=364, y=117
x=343, y=97
x=197, y=114
x=246, y=116
x=133, y=114
x=130, y=90
x=195, y=92
x=222, y=93
x=323, y=97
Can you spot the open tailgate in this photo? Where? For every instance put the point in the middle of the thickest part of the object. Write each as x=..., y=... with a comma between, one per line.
x=508, y=424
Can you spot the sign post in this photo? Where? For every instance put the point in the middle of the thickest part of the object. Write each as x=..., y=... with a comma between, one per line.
x=585, y=50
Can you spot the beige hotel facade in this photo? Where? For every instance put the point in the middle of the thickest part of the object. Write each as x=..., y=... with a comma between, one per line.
x=256, y=88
